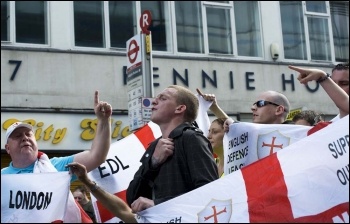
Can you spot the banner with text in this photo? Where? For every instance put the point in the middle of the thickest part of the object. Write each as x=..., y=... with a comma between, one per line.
x=123, y=160
x=307, y=181
x=33, y=198
x=246, y=142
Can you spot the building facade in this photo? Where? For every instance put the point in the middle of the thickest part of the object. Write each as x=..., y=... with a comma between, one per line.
x=54, y=55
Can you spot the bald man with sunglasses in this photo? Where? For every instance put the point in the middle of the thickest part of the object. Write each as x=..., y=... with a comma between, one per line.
x=271, y=107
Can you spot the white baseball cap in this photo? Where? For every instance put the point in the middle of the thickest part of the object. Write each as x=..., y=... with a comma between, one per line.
x=14, y=126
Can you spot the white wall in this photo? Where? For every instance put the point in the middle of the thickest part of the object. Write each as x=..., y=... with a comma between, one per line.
x=64, y=80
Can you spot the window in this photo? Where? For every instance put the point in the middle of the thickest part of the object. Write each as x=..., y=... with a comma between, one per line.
x=31, y=22
x=316, y=6
x=320, y=48
x=5, y=21
x=217, y=27
x=122, y=22
x=294, y=42
x=340, y=28
x=207, y=27
x=219, y=30
x=248, y=28
x=89, y=24
x=111, y=23
x=307, y=31
x=189, y=29
x=318, y=30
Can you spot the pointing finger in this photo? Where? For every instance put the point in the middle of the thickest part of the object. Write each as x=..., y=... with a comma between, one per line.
x=199, y=92
x=96, y=98
x=300, y=70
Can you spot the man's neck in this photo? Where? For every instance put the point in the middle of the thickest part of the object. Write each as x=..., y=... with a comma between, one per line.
x=167, y=128
x=24, y=162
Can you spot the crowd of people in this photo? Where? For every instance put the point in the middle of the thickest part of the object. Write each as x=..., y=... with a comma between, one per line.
x=182, y=158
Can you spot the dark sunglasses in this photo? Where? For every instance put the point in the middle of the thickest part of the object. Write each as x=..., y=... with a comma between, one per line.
x=261, y=103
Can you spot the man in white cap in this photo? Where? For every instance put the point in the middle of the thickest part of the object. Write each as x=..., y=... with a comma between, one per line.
x=22, y=146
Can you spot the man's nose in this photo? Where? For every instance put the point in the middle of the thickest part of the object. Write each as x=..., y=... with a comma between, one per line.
x=25, y=137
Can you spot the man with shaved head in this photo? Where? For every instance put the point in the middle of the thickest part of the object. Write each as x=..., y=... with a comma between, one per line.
x=270, y=107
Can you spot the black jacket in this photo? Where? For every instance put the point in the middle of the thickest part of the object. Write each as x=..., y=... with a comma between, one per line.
x=191, y=166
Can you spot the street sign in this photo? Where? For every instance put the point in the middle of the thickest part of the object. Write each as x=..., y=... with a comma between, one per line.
x=133, y=51
x=145, y=21
x=134, y=68
x=134, y=54
x=140, y=74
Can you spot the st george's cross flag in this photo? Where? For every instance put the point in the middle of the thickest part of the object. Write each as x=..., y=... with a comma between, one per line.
x=246, y=142
x=123, y=160
x=308, y=181
x=34, y=197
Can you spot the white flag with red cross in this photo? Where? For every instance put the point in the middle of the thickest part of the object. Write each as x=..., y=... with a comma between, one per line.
x=308, y=181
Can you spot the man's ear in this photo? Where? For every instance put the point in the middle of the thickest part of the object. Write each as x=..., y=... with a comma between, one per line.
x=7, y=147
x=180, y=109
x=280, y=109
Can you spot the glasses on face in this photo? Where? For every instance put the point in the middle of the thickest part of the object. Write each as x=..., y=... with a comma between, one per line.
x=261, y=103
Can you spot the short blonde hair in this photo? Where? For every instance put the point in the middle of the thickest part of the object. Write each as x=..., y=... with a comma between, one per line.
x=187, y=98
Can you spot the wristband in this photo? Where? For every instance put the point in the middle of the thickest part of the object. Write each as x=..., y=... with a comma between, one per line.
x=95, y=187
x=324, y=78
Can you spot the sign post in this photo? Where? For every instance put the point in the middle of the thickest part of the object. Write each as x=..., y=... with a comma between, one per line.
x=140, y=74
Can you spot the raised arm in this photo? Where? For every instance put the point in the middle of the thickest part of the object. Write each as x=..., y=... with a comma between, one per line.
x=94, y=157
x=111, y=202
x=215, y=108
x=337, y=94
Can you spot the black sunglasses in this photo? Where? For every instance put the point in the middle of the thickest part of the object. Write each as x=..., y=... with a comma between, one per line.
x=261, y=103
